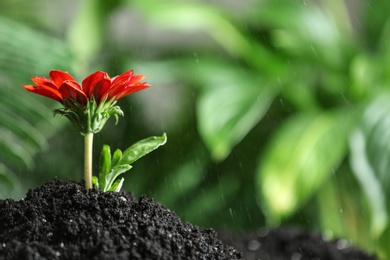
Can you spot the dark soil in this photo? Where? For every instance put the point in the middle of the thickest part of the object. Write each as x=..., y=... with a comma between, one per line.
x=60, y=220
x=292, y=244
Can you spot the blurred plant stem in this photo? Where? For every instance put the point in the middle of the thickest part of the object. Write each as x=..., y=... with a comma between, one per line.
x=88, y=143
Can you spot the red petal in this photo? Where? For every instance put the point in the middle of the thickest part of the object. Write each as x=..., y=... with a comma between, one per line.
x=90, y=82
x=45, y=91
x=126, y=84
x=41, y=81
x=130, y=89
x=136, y=78
x=101, y=88
x=122, y=79
x=72, y=90
x=59, y=77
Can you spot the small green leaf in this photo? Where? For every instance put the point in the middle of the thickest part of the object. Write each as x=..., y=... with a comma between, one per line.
x=116, y=157
x=105, y=165
x=95, y=181
x=116, y=187
x=113, y=174
x=120, y=163
x=142, y=148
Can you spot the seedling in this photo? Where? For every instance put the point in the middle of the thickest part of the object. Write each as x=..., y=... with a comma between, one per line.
x=88, y=106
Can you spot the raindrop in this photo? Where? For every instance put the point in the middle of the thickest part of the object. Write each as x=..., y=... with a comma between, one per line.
x=231, y=213
x=262, y=232
x=342, y=244
x=296, y=256
x=248, y=215
x=327, y=235
x=282, y=103
x=253, y=245
x=314, y=50
x=196, y=57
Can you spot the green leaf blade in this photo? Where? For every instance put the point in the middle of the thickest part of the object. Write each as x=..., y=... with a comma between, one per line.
x=230, y=105
x=95, y=182
x=142, y=148
x=300, y=157
x=105, y=165
x=116, y=157
x=117, y=185
x=370, y=160
x=113, y=174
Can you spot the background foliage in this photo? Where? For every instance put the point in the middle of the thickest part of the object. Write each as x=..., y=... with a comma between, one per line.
x=277, y=112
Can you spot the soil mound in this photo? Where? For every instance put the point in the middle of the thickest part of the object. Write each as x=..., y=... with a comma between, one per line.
x=60, y=220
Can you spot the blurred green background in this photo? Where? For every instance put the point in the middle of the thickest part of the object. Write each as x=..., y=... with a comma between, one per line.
x=277, y=112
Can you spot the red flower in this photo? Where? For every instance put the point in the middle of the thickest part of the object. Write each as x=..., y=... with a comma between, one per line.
x=62, y=87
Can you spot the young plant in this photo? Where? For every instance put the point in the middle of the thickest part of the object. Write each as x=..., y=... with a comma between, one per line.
x=112, y=167
x=88, y=106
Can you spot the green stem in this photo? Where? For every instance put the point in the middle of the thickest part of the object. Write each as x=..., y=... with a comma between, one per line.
x=88, y=143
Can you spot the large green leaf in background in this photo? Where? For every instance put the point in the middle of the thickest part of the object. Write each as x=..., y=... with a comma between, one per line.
x=370, y=159
x=187, y=17
x=302, y=154
x=231, y=103
x=9, y=185
x=304, y=30
x=25, y=119
x=88, y=29
x=25, y=52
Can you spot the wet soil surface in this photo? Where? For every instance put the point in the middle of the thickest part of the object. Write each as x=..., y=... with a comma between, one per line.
x=289, y=243
x=60, y=220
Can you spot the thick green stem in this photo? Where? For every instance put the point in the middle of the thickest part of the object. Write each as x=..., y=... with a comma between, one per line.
x=88, y=143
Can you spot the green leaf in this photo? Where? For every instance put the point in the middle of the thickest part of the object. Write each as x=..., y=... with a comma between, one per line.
x=196, y=17
x=116, y=157
x=113, y=174
x=26, y=132
x=25, y=118
x=95, y=182
x=117, y=186
x=86, y=33
x=105, y=165
x=370, y=159
x=304, y=30
x=20, y=63
x=110, y=169
x=300, y=157
x=229, y=106
x=142, y=148
x=9, y=184
x=13, y=151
